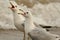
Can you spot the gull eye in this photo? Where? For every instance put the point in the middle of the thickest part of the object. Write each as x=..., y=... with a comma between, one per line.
x=27, y=12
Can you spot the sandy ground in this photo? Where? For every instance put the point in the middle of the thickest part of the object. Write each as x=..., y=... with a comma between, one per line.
x=11, y=35
x=17, y=35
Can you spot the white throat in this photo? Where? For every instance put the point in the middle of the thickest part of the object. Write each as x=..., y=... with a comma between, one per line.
x=18, y=19
x=29, y=26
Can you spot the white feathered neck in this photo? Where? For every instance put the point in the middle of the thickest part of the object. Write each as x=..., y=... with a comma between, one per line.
x=18, y=18
x=29, y=26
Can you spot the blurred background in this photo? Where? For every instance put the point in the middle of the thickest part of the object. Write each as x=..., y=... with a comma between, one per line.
x=48, y=12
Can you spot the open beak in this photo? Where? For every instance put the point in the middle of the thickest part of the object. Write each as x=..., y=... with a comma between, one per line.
x=12, y=6
x=23, y=14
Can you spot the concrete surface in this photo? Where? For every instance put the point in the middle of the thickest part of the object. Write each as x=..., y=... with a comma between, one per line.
x=17, y=35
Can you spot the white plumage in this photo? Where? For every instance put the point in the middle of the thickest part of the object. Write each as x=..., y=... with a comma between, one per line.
x=43, y=34
x=18, y=18
x=29, y=22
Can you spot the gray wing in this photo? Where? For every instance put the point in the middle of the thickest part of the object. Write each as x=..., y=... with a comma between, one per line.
x=41, y=34
x=40, y=22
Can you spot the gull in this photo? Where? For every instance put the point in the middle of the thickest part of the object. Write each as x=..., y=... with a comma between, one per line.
x=29, y=25
x=37, y=33
x=18, y=18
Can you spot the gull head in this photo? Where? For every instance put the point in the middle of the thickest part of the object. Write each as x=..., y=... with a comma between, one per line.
x=15, y=8
x=27, y=15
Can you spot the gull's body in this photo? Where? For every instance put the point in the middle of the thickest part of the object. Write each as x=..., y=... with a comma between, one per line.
x=29, y=26
x=18, y=18
x=35, y=32
x=18, y=21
